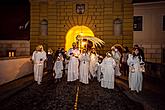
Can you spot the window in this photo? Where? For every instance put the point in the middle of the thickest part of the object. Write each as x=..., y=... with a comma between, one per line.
x=164, y=23
x=137, y=25
x=11, y=53
x=117, y=27
x=44, y=27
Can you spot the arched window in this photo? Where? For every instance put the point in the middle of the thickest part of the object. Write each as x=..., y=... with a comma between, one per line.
x=44, y=27
x=117, y=27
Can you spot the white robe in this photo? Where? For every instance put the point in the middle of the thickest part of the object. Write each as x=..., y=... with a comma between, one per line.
x=58, y=68
x=73, y=65
x=84, y=68
x=98, y=71
x=107, y=69
x=38, y=65
x=66, y=66
x=116, y=55
x=93, y=64
x=135, y=78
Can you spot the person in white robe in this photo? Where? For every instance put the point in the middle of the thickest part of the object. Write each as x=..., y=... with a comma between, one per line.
x=84, y=67
x=38, y=58
x=58, y=68
x=135, y=63
x=93, y=63
x=66, y=62
x=107, y=68
x=116, y=55
x=98, y=67
x=73, y=65
x=131, y=69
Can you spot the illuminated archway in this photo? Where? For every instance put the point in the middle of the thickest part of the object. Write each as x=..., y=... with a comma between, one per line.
x=73, y=32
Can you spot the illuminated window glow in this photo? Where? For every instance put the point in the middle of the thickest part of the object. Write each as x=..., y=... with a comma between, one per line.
x=73, y=32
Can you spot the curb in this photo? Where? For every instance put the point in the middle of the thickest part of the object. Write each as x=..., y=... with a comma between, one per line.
x=13, y=87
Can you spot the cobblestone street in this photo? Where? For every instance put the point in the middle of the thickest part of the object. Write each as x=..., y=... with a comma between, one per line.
x=68, y=96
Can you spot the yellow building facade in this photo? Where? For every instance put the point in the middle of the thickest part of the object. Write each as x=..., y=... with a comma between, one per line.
x=56, y=23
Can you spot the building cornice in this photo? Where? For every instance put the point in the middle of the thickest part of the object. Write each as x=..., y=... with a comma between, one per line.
x=148, y=3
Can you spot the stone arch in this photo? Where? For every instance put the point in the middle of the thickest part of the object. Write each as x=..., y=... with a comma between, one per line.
x=85, y=20
x=74, y=32
x=78, y=23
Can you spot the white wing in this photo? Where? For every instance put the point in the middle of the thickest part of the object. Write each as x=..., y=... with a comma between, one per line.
x=96, y=41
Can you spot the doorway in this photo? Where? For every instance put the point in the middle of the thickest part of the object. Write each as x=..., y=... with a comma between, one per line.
x=74, y=32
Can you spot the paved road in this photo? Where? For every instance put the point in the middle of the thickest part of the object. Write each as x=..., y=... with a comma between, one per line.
x=68, y=96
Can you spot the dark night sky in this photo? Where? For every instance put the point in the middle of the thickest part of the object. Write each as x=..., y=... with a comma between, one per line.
x=13, y=14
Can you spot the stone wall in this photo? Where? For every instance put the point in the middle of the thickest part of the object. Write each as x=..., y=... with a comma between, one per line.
x=155, y=65
x=21, y=47
x=153, y=52
x=12, y=69
x=99, y=16
x=155, y=70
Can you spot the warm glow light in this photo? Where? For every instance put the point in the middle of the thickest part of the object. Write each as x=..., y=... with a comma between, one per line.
x=81, y=33
x=73, y=32
x=83, y=44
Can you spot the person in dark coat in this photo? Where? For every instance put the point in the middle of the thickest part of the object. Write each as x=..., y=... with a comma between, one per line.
x=50, y=61
x=58, y=52
x=124, y=58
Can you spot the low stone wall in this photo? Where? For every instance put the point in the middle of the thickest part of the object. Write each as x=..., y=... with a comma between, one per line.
x=12, y=69
x=153, y=52
x=21, y=47
x=155, y=70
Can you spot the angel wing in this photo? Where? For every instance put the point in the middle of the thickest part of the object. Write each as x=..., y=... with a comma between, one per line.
x=96, y=41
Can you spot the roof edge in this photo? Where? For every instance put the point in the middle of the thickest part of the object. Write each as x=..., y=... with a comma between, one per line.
x=149, y=3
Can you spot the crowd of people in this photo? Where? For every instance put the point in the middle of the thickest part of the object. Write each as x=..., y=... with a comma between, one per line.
x=87, y=65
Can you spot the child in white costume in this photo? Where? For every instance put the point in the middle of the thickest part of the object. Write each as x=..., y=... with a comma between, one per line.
x=98, y=67
x=58, y=68
x=135, y=63
x=107, y=68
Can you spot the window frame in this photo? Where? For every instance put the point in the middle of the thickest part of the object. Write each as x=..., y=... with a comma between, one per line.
x=138, y=21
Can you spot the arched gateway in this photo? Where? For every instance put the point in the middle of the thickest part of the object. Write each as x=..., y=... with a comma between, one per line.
x=74, y=32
